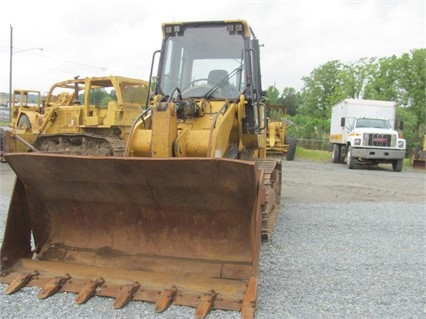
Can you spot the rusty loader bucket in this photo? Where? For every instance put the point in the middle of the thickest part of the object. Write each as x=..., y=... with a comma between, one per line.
x=166, y=231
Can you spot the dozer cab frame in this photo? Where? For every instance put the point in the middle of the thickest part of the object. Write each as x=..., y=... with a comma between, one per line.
x=181, y=217
x=26, y=114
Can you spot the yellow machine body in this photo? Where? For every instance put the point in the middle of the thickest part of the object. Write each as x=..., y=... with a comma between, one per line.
x=88, y=116
x=278, y=141
x=179, y=219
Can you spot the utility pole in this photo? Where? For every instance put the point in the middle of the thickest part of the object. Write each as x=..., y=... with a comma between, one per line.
x=10, y=74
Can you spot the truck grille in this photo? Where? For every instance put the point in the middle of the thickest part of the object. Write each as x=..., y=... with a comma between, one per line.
x=381, y=140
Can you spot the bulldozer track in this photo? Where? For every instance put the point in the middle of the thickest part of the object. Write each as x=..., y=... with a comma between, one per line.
x=81, y=144
x=272, y=205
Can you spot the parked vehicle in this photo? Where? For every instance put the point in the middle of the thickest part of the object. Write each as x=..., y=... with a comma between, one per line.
x=363, y=132
x=87, y=116
x=180, y=217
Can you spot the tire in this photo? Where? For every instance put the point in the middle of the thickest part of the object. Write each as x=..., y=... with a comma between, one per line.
x=342, y=153
x=24, y=122
x=350, y=161
x=292, y=144
x=2, y=146
x=335, y=155
x=397, y=165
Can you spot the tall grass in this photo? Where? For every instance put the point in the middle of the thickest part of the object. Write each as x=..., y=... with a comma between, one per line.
x=315, y=155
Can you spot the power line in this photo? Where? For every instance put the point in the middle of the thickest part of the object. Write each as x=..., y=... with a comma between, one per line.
x=62, y=60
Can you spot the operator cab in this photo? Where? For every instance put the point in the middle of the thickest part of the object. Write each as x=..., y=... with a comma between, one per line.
x=204, y=60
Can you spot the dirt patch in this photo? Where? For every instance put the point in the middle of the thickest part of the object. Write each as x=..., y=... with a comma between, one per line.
x=315, y=181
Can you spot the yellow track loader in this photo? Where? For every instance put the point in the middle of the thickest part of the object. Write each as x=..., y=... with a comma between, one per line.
x=180, y=218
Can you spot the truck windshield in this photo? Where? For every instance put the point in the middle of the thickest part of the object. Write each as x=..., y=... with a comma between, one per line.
x=204, y=60
x=374, y=123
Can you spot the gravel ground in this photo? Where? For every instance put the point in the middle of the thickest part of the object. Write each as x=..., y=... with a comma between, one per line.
x=348, y=244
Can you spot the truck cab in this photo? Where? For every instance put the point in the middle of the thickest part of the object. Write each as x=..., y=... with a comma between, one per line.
x=362, y=132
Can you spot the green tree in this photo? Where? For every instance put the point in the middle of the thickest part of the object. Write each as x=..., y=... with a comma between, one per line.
x=319, y=91
x=411, y=68
x=272, y=95
x=384, y=84
x=355, y=79
x=400, y=79
x=291, y=99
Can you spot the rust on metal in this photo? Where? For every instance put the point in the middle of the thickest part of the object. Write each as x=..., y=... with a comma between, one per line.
x=270, y=195
x=197, y=232
x=125, y=295
x=19, y=282
x=53, y=286
x=88, y=290
x=206, y=304
x=165, y=298
x=249, y=301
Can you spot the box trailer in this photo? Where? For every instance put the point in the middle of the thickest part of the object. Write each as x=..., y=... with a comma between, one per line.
x=364, y=132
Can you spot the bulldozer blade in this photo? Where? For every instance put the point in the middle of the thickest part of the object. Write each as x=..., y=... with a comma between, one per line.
x=179, y=227
x=419, y=163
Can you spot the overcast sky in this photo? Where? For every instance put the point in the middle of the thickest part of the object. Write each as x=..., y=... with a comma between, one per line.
x=104, y=37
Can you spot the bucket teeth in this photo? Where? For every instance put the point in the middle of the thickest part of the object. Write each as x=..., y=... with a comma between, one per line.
x=206, y=304
x=53, y=286
x=249, y=301
x=125, y=295
x=165, y=299
x=19, y=282
x=88, y=290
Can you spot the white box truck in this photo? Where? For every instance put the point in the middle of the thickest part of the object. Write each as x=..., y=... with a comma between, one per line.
x=363, y=132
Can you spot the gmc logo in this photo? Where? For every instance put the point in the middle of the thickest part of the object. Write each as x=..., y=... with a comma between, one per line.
x=380, y=139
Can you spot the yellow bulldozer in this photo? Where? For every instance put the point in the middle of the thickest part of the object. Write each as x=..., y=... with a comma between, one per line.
x=87, y=116
x=180, y=218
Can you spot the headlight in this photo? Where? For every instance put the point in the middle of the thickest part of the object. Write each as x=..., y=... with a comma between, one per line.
x=401, y=144
x=357, y=141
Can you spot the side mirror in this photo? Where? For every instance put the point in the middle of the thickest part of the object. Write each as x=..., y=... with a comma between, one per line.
x=342, y=122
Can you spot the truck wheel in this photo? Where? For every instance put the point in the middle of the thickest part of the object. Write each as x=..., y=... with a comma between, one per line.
x=397, y=165
x=292, y=143
x=335, y=155
x=350, y=161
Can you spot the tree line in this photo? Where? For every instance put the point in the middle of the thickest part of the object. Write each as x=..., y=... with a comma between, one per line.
x=400, y=79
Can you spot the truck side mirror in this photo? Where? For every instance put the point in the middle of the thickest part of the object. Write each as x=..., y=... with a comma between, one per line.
x=401, y=125
x=342, y=122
